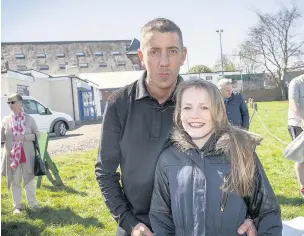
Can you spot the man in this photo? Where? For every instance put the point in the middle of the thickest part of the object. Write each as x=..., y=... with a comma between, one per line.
x=296, y=119
x=136, y=126
x=236, y=108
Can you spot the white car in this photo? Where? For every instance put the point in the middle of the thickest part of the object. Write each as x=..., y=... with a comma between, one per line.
x=47, y=120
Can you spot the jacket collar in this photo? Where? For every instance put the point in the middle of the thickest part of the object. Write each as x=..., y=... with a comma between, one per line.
x=218, y=143
x=230, y=98
x=141, y=88
x=142, y=91
x=184, y=143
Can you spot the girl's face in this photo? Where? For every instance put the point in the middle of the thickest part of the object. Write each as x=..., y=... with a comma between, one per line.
x=196, y=115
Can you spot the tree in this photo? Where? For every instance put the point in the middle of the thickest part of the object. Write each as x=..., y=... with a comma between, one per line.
x=248, y=60
x=227, y=64
x=199, y=69
x=273, y=43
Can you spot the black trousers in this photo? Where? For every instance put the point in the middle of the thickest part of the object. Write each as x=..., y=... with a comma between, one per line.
x=294, y=131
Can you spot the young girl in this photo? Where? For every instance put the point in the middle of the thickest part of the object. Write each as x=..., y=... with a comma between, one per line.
x=210, y=179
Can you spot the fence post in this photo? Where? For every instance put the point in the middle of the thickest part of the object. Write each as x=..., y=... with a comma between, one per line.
x=255, y=107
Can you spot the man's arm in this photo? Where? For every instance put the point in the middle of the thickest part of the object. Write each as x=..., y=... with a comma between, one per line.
x=244, y=113
x=294, y=106
x=106, y=169
x=294, y=97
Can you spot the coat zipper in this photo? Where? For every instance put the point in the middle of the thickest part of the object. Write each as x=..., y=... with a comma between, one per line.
x=224, y=197
x=223, y=201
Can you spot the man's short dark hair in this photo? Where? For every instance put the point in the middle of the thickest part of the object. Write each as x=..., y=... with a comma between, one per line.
x=161, y=25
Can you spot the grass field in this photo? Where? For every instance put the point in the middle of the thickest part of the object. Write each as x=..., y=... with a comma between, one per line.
x=78, y=209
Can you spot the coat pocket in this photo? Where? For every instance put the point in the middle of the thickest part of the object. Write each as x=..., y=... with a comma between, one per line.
x=233, y=213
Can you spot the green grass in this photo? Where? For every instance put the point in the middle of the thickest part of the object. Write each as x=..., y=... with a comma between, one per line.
x=78, y=209
x=280, y=171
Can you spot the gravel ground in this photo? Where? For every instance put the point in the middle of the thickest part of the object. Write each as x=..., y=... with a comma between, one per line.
x=83, y=138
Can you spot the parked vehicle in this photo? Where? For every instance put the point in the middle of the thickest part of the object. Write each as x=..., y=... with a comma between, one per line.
x=46, y=119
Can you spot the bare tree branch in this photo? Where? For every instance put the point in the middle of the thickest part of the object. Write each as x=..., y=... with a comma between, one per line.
x=272, y=42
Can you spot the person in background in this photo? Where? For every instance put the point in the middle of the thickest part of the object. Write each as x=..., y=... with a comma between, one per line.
x=236, y=108
x=296, y=119
x=18, y=131
x=210, y=179
x=136, y=127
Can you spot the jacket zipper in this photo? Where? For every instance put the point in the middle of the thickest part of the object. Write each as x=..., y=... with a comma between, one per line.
x=223, y=201
x=224, y=197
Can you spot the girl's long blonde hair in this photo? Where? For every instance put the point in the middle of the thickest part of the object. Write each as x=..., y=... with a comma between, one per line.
x=238, y=145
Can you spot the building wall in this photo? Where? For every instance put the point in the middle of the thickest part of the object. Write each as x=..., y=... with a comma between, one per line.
x=74, y=83
x=4, y=86
x=97, y=99
x=262, y=95
x=70, y=59
x=293, y=74
x=55, y=93
x=136, y=62
x=61, y=96
x=38, y=88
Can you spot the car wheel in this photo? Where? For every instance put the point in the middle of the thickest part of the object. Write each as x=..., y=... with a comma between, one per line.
x=60, y=128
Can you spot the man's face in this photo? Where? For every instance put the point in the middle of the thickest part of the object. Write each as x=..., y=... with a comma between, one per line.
x=226, y=91
x=162, y=55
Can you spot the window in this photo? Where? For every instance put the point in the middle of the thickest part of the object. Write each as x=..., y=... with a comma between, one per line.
x=41, y=55
x=60, y=55
x=209, y=77
x=121, y=63
x=19, y=56
x=98, y=54
x=103, y=64
x=116, y=53
x=21, y=67
x=80, y=54
x=33, y=107
x=23, y=90
x=42, y=67
x=83, y=65
x=30, y=107
x=62, y=66
x=41, y=109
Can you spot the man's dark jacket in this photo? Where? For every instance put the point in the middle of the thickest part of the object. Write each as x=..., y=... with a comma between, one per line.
x=135, y=131
x=237, y=111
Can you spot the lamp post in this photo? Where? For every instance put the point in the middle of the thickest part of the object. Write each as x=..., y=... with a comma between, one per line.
x=220, y=32
x=188, y=62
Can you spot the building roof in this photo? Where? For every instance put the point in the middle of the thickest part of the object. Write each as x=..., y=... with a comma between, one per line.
x=64, y=42
x=55, y=57
x=134, y=46
x=107, y=80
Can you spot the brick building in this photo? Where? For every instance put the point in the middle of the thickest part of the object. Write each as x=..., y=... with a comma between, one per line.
x=58, y=57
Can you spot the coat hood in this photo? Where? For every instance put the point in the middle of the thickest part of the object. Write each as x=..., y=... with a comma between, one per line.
x=218, y=143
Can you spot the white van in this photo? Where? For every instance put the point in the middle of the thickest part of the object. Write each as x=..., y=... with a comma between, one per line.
x=46, y=119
